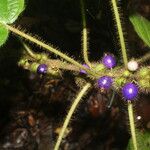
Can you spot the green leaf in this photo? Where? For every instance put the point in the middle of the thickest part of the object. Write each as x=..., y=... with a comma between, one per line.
x=3, y=35
x=143, y=139
x=142, y=27
x=10, y=10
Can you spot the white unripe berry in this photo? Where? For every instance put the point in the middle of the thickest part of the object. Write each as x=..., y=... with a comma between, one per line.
x=132, y=65
x=138, y=117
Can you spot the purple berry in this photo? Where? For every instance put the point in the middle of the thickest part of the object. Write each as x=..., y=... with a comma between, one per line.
x=130, y=91
x=83, y=71
x=109, y=61
x=105, y=82
x=42, y=69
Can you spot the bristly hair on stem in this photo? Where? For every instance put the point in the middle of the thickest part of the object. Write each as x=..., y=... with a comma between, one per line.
x=70, y=113
x=48, y=48
x=84, y=40
x=29, y=51
x=125, y=60
x=120, y=31
x=132, y=126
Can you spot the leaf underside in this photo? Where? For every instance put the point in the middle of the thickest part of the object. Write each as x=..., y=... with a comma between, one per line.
x=142, y=27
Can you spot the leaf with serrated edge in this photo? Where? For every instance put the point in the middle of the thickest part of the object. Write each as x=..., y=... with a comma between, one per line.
x=142, y=27
x=10, y=10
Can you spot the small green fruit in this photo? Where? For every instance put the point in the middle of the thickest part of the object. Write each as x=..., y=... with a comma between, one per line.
x=54, y=72
x=126, y=73
x=144, y=83
x=98, y=67
x=144, y=72
x=34, y=67
x=119, y=81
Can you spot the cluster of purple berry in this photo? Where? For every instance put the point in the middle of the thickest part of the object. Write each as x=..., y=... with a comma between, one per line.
x=129, y=90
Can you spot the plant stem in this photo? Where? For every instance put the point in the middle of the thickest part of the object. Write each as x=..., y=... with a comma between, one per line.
x=54, y=63
x=120, y=32
x=112, y=99
x=132, y=125
x=70, y=113
x=125, y=60
x=29, y=51
x=85, y=34
x=144, y=58
x=47, y=47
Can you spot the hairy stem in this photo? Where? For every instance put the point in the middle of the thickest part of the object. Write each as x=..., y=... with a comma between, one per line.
x=85, y=34
x=29, y=51
x=144, y=58
x=125, y=60
x=70, y=113
x=132, y=125
x=120, y=32
x=47, y=47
